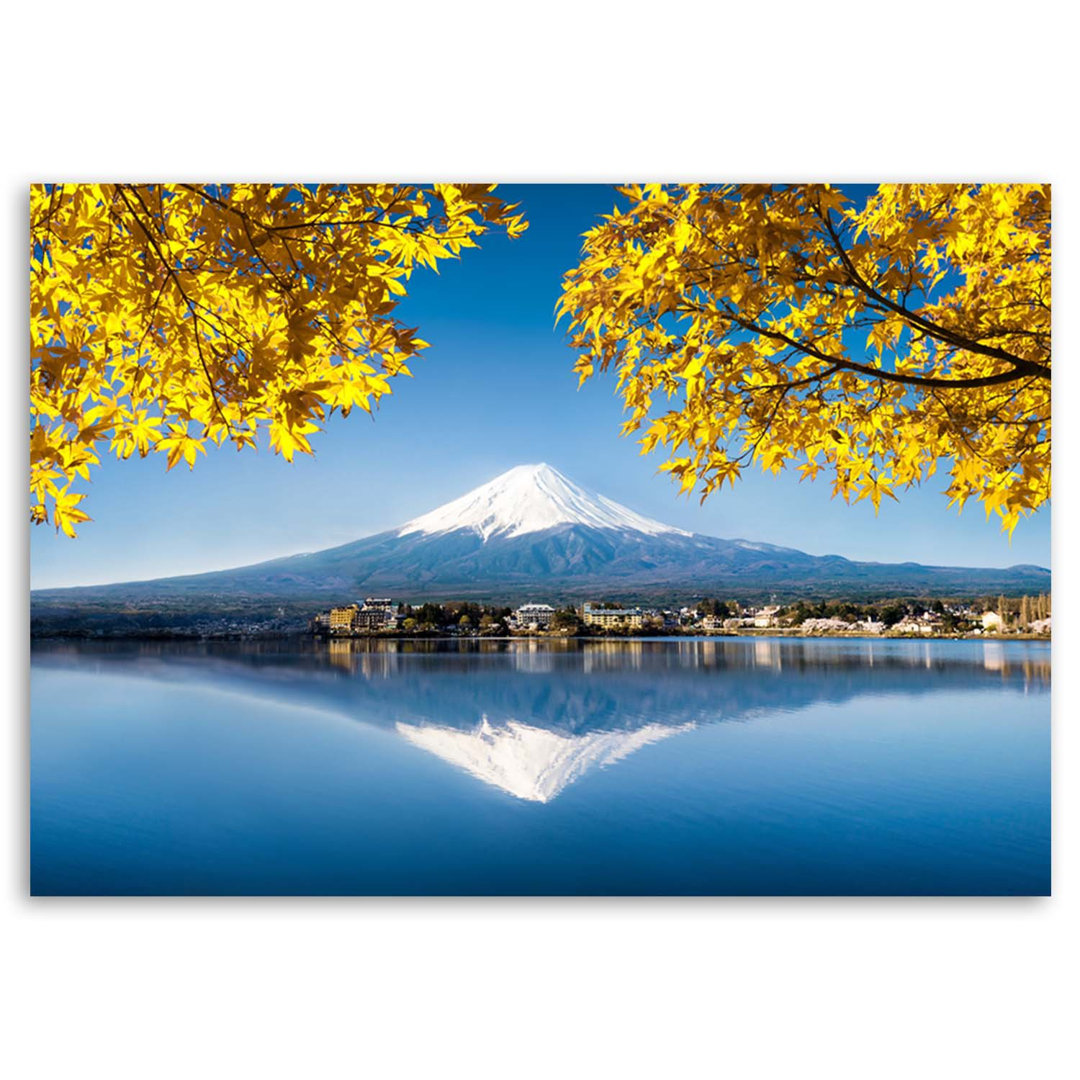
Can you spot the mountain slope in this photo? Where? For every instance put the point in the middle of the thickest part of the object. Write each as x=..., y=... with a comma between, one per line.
x=532, y=533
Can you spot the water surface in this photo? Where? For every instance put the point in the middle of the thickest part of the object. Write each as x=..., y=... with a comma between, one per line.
x=676, y=766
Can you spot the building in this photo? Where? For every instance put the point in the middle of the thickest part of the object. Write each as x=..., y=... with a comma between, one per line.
x=612, y=618
x=379, y=603
x=991, y=620
x=713, y=624
x=341, y=620
x=766, y=617
x=534, y=616
x=376, y=613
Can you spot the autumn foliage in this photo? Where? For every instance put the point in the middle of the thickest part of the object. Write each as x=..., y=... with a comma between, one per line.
x=876, y=340
x=167, y=316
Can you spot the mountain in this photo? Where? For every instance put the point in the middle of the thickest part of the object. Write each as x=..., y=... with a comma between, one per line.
x=532, y=533
x=531, y=499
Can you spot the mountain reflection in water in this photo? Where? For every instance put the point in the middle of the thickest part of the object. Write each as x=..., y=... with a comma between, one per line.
x=531, y=717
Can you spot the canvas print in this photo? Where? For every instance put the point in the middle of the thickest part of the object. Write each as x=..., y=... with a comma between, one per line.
x=397, y=539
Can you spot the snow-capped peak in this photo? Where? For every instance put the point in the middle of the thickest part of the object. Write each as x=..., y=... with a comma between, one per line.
x=528, y=762
x=531, y=498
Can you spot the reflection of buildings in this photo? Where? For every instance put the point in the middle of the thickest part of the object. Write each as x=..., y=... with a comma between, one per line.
x=554, y=709
x=356, y=655
x=531, y=763
x=533, y=659
x=340, y=652
x=767, y=653
x=600, y=656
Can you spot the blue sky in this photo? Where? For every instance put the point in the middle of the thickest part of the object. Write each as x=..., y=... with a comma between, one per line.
x=495, y=390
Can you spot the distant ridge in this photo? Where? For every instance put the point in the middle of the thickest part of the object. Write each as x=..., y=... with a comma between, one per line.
x=533, y=533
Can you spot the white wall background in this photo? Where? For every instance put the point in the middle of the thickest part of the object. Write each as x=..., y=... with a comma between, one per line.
x=744, y=988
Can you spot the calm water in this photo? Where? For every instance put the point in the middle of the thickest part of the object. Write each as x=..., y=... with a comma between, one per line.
x=731, y=766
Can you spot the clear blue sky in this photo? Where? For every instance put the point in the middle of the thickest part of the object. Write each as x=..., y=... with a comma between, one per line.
x=494, y=390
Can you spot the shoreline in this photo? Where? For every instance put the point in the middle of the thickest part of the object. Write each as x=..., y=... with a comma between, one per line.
x=322, y=639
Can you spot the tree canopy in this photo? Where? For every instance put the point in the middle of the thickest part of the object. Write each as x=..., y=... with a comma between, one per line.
x=873, y=338
x=167, y=316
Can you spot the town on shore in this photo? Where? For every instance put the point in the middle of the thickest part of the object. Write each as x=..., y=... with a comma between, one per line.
x=1027, y=616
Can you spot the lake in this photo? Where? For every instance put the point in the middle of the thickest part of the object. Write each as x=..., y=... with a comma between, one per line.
x=727, y=766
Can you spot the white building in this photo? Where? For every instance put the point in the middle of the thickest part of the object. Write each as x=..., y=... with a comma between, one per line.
x=534, y=616
x=766, y=617
x=991, y=620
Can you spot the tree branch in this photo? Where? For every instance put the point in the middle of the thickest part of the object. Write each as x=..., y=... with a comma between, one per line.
x=931, y=329
x=867, y=369
x=171, y=272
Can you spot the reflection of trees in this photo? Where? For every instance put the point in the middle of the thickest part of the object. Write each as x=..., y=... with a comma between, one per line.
x=574, y=687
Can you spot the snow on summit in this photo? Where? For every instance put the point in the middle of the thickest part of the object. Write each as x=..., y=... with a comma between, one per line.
x=531, y=498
